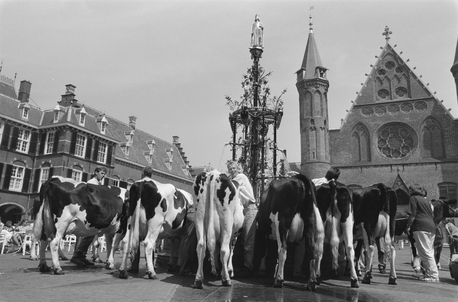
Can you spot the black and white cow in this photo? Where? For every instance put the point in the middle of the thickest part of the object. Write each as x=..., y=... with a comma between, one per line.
x=219, y=219
x=375, y=211
x=77, y=208
x=288, y=213
x=335, y=203
x=156, y=211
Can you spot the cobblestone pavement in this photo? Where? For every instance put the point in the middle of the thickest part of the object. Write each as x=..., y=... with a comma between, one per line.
x=21, y=281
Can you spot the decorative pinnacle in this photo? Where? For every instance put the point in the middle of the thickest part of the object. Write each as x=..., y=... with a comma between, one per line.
x=310, y=17
x=387, y=33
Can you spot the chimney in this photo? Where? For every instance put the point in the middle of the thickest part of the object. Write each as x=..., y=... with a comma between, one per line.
x=69, y=97
x=132, y=122
x=24, y=91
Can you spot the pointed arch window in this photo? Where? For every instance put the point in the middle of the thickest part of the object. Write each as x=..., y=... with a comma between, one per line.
x=360, y=142
x=317, y=104
x=433, y=144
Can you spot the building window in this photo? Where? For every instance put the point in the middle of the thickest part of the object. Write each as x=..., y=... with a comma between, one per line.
x=432, y=139
x=25, y=113
x=125, y=148
x=23, y=141
x=396, y=140
x=56, y=114
x=360, y=144
x=77, y=174
x=49, y=142
x=82, y=119
x=80, y=146
x=44, y=175
x=102, y=153
x=17, y=177
x=115, y=181
x=103, y=128
x=448, y=190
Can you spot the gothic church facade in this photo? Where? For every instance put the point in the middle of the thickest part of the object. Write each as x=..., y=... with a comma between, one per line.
x=396, y=131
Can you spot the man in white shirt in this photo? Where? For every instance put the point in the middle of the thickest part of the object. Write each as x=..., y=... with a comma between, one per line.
x=250, y=211
x=83, y=243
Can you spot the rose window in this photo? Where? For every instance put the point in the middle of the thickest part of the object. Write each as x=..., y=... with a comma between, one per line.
x=396, y=140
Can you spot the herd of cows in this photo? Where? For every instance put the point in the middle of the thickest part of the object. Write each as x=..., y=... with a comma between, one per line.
x=291, y=209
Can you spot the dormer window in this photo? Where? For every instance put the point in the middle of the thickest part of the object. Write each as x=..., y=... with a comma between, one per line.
x=151, y=145
x=25, y=110
x=125, y=148
x=130, y=136
x=185, y=169
x=168, y=164
x=82, y=116
x=148, y=156
x=102, y=122
x=56, y=114
x=170, y=154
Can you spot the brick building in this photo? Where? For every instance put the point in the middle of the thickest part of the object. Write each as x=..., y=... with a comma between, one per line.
x=71, y=140
x=396, y=131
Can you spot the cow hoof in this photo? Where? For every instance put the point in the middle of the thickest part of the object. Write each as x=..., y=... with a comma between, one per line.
x=109, y=266
x=226, y=282
x=150, y=276
x=123, y=275
x=381, y=268
x=278, y=283
x=354, y=283
x=392, y=281
x=97, y=260
x=44, y=268
x=59, y=272
x=318, y=280
x=311, y=287
x=198, y=284
x=366, y=280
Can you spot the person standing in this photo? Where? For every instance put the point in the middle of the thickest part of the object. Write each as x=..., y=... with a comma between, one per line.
x=83, y=243
x=250, y=211
x=423, y=228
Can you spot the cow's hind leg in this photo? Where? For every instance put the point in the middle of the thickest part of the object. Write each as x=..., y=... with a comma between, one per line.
x=381, y=256
x=201, y=249
x=369, y=244
x=279, y=279
x=43, y=266
x=224, y=257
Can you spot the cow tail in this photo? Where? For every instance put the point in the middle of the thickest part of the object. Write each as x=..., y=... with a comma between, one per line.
x=39, y=211
x=136, y=227
x=209, y=204
x=334, y=242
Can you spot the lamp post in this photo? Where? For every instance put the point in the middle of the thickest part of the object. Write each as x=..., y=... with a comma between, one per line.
x=255, y=117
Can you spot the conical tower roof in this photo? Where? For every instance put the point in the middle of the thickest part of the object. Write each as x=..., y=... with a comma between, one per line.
x=312, y=58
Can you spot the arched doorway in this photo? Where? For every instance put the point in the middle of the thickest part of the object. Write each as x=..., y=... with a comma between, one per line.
x=11, y=211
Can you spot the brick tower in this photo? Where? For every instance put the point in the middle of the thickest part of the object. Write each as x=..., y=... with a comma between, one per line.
x=312, y=86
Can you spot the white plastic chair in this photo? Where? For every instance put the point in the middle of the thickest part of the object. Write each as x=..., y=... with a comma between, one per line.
x=28, y=240
x=103, y=244
x=2, y=242
x=69, y=240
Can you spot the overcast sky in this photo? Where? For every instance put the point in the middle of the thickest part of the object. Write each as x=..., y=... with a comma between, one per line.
x=171, y=63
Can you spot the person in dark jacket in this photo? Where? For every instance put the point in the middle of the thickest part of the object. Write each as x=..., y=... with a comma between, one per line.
x=423, y=228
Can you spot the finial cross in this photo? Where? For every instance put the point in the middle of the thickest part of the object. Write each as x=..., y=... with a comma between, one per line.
x=387, y=33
